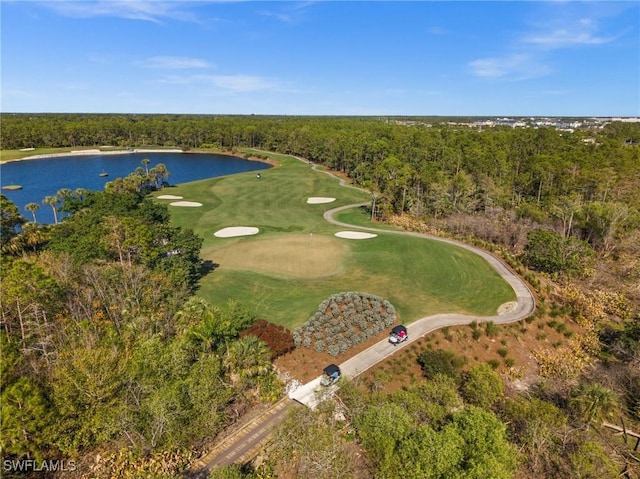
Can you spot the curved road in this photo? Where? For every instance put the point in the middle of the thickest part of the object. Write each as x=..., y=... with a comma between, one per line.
x=241, y=445
x=524, y=306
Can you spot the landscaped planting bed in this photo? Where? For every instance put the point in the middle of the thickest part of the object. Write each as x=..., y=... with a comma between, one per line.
x=344, y=320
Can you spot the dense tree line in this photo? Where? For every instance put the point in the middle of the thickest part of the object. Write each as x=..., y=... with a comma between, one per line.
x=583, y=183
x=96, y=314
x=458, y=423
x=103, y=346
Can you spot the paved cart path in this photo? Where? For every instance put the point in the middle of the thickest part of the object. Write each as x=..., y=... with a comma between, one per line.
x=246, y=442
x=523, y=306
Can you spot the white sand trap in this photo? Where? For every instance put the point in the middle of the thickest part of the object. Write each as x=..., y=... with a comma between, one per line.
x=185, y=203
x=234, y=231
x=354, y=235
x=316, y=200
x=169, y=197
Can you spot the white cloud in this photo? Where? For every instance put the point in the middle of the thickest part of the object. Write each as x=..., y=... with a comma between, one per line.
x=146, y=10
x=566, y=38
x=242, y=83
x=561, y=31
x=287, y=12
x=229, y=83
x=173, y=63
x=516, y=67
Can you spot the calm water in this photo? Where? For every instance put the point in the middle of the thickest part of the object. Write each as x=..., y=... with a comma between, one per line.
x=44, y=177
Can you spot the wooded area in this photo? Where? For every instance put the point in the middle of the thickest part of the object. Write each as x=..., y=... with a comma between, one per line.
x=104, y=348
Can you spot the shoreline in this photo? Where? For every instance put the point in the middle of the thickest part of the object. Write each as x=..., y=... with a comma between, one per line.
x=95, y=152
x=91, y=152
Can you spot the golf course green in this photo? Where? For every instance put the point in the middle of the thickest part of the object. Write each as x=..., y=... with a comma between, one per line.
x=295, y=260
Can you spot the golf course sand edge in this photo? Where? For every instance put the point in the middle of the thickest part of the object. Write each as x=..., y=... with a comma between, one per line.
x=354, y=235
x=233, y=231
x=316, y=200
x=186, y=203
x=169, y=197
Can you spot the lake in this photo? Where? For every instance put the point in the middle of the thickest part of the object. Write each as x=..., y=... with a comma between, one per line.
x=44, y=177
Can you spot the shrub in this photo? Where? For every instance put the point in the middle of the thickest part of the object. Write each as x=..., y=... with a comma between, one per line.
x=491, y=329
x=446, y=333
x=333, y=350
x=278, y=338
x=548, y=251
x=440, y=361
x=481, y=386
x=494, y=363
x=346, y=319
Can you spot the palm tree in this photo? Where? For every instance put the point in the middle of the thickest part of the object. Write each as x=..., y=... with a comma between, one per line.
x=146, y=162
x=248, y=358
x=33, y=236
x=202, y=323
x=52, y=201
x=594, y=402
x=14, y=246
x=64, y=195
x=159, y=173
x=80, y=193
x=33, y=207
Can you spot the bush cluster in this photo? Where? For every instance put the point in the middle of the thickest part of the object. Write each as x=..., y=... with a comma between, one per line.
x=278, y=338
x=344, y=320
x=440, y=361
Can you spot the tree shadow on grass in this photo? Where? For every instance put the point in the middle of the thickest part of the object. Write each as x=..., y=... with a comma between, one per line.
x=207, y=266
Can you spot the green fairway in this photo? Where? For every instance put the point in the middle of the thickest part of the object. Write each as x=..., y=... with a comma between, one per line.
x=295, y=261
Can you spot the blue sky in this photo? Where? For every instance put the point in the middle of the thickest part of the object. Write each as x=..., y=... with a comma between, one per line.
x=519, y=58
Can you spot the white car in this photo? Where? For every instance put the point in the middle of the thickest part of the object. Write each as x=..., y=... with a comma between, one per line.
x=398, y=335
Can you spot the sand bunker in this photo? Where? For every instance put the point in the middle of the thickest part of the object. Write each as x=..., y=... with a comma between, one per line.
x=354, y=235
x=234, y=231
x=169, y=197
x=315, y=200
x=185, y=203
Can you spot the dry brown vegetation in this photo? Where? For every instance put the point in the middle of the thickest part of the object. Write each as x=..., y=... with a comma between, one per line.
x=510, y=349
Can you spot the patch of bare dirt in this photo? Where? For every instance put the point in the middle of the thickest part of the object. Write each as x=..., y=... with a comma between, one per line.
x=509, y=350
x=305, y=364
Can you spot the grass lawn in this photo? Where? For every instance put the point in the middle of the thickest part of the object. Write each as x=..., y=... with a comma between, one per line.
x=295, y=261
x=361, y=217
x=11, y=155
